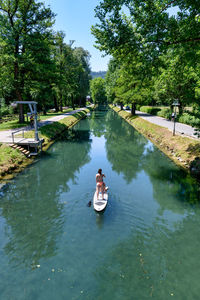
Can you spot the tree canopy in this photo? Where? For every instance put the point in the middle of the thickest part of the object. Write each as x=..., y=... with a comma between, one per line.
x=36, y=63
x=97, y=89
x=155, y=53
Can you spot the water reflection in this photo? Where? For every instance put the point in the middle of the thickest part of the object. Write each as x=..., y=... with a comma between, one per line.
x=144, y=245
x=130, y=153
x=170, y=183
x=124, y=146
x=32, y=206
x=97, y=123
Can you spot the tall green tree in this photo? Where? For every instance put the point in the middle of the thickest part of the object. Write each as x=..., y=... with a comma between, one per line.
x=157, y=52
x=148, y=27
x=98, y=91
x=22, y=21
x=84, y=77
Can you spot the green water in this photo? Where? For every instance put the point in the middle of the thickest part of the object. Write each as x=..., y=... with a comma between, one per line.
x=145, y=245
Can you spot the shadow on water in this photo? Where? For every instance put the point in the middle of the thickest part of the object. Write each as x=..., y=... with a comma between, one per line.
x=144, y=245
x=125, y=147
x=130, y=153
x=31, y=203
x=168, y=180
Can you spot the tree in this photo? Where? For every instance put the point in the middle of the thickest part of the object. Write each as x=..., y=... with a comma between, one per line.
x=157, y=53
x=83, y=56
x=149, y=28
x=20, y=21
x=111, y=80
x=97, y=89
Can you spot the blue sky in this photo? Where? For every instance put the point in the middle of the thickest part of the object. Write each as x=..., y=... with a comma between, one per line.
x=75, y=18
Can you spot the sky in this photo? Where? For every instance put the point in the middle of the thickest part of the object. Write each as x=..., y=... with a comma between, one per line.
x=75, y=18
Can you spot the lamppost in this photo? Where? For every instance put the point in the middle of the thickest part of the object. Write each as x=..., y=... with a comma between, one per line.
x=71, y=42
x=175, y=104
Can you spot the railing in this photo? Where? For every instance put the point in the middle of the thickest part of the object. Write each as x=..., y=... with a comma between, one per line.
x=13, y=133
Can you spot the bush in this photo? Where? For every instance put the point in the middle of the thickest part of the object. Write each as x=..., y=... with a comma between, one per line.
x=150, y=109
x=165, y=113
x=5, y=109
x=138, y=106
x=189, y=119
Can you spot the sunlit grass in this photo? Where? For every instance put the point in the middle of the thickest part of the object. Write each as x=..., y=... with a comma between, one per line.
x=182, y=150
x=15, y=123
x=54, y=114
x=10, y=159
x=12, y=124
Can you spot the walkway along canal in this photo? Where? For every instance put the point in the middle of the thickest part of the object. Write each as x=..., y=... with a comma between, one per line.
x=53, y=246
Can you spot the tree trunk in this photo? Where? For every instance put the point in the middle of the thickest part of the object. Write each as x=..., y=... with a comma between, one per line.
x=133, y=107
x=44, y=111
x=73, y=102
x=61, y=102
x=55, y=103
x=121, y=105
x=180, y=108
x=21, y=113
x=16, y=80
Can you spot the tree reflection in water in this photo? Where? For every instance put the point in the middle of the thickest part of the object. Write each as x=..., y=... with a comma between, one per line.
x=98, y=123
x=124, y=146
x=31, y=206
x=170, y=183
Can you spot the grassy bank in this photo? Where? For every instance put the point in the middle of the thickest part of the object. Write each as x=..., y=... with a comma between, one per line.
x=11, y=124
x=182, y=150
x=13, y=161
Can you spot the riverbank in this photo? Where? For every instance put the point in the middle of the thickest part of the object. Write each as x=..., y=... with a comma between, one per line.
x=12, y=161
x=184, y=151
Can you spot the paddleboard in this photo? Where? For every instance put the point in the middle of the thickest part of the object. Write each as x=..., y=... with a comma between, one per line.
x=100, y=204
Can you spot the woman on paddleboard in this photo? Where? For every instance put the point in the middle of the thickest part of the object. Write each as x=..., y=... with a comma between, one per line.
x=100, y=185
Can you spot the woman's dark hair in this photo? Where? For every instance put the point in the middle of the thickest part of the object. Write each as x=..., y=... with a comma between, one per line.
x=99, y=171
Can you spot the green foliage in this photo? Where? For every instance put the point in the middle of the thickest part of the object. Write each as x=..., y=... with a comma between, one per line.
x=35, y=62
x=98, y=91
x=189, y=119
x=150, y=109
x=157, y=54
x=5, y=109
x=165, y=113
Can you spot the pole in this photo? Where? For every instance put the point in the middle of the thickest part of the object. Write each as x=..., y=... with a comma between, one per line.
x=174, y=120
x=36, y=123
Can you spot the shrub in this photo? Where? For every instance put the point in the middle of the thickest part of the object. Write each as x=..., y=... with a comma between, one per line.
x=187, y=118
x=5, y=109
x=150, y=109
x=165, y=113
x=138, y=106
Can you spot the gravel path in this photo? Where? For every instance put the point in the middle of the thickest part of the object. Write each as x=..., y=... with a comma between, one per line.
x=6, y=135
x=181, y=129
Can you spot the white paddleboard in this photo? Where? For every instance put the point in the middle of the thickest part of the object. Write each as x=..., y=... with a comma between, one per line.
x=100, y=204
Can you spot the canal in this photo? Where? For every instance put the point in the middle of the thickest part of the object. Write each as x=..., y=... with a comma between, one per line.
x=146, y=244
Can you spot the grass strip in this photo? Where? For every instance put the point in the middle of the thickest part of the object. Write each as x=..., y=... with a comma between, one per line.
x=15, y=123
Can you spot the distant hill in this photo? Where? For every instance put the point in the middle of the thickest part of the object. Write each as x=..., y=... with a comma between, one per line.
x=101, y=74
